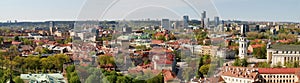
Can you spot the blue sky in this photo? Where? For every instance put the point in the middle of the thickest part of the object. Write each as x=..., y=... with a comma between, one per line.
x=253, y=10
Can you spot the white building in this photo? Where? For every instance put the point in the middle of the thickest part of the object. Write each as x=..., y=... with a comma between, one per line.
x=239, y=75
x=279, y=75
x=283, y=53
x=226, y=53
x=44, y=78
x=260, y=75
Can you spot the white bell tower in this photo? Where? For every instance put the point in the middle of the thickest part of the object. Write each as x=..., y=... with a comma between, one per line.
x=243, y=43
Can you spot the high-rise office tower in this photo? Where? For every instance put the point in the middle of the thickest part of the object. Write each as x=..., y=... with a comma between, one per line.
x=206, y=22
x=203, y=16
x=216, y=21
x=244, y=28
x=185, y=21
x=165, y=23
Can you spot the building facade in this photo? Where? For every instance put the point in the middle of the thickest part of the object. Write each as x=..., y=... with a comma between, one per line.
x=232, y=74
x=165, y=23
x=278, y=75
x=281, y=54
x=185, y=21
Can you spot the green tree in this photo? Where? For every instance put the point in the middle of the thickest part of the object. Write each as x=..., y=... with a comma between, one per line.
x=74, y=79
x=19, y=62
x=278, y=65
x=204, y=69
x=264, y=65
x=111, y=78
x=32, y=62
x=206, y=59
x=244, y=62
x=94, y=79
x=16, y=38
x=291, y=64
x=123, y=79
x=68, y=40
x=27, y=42
x=1, y=40
x=260, y=52
x=105, y=60
x=236, y=62
x=18, y=80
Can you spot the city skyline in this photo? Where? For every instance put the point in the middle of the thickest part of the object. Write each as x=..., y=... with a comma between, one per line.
x=67, y=10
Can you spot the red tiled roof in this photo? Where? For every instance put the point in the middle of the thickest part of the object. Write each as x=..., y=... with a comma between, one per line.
x=257, y=45
x=15, y=43
x=168, y=75
x=240, y=72
x=44, y=40
x=168, y=62
x=156, y=41
x=278, y=70
x=284, y=41
x=63, y=45
x=173, y=43
x=52, y=42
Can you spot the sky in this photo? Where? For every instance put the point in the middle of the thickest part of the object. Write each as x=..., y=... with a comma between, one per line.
x=251, y=10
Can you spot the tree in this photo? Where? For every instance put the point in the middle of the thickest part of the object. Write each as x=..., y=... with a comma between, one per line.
x=19, y=61
x=1, y=40
x=46, y=63
x=123, y=79
x=68, y=40
x=264, y=65
x=16, y=38
x=111, y=78
x=93, y=79
x=278, y=65
x=74, y=79
x=42, y=50
x=291, y=64
x=244, y=62
x=105, y=60
x=18, y=80
x=161, y=37
x=59, y=60
x=252, y=35
x=157, y=79
x=206, y=59
x=204, y=69
x=236, y=62
x=13, y=50
x=27, y=42
x=32, y=62
x=260, y=52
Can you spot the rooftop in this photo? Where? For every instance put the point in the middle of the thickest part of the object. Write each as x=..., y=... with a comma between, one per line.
x=240, y=72
x=285, y=47
x=278, y=70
